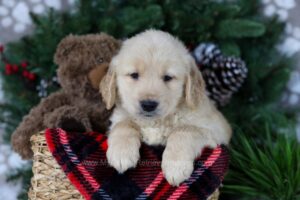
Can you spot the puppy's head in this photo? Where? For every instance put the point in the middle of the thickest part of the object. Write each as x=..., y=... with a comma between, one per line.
x=151, y=76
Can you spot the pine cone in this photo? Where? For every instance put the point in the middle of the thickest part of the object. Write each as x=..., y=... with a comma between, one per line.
x=223, y=75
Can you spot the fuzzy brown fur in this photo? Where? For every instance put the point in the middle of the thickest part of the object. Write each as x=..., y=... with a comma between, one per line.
x=82, y=62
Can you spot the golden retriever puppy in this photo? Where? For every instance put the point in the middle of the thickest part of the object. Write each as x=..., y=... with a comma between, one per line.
x=159, y=97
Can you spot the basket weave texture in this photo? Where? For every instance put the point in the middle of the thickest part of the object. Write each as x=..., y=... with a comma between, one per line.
x=49, y=182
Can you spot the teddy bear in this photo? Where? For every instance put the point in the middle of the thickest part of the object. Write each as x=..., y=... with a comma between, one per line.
x=82, y=62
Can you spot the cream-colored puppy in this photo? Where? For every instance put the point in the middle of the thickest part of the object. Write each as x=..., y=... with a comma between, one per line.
x=160, y=99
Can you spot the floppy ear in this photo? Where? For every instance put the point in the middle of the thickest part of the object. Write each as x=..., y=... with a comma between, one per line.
x=108, y=89
x=194, y=86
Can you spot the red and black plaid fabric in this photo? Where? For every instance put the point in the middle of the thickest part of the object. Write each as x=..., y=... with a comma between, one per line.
x=82, y=156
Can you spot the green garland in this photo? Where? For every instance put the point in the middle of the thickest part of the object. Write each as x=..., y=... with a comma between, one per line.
x=265, y=155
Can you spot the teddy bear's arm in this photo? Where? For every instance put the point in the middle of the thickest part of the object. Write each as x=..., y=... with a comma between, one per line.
x=33, y=122
x=70, y=118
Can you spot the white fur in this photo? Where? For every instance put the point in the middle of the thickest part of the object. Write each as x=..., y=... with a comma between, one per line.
x=184, y=128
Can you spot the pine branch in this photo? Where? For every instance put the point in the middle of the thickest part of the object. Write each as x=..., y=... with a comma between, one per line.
x=264, y=170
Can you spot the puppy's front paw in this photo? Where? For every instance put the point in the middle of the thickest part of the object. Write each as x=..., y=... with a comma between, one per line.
x=123, y=155
x=176, y=169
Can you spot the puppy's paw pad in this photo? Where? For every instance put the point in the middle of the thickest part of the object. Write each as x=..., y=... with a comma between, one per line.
x=122, y=159
x=177, y=171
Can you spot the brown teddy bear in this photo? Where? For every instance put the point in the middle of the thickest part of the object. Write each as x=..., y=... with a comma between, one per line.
x=82, y=61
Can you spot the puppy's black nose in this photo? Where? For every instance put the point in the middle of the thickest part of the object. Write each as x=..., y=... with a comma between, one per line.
x=148, y=105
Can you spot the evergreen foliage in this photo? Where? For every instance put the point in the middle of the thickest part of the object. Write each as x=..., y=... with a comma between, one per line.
x=265, y=155
x=268, y=169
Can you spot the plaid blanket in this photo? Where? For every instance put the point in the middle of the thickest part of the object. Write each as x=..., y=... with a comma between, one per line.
x=82, y=156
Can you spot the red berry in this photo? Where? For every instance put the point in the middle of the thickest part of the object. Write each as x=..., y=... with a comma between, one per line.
x=1, y=48
x=8, y=69
x=15, y=68
x=24, y=64
x=31, y=76
x=25, y=73
x=8, y=66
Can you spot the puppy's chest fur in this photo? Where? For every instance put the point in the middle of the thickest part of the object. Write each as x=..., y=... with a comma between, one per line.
x=157, y=132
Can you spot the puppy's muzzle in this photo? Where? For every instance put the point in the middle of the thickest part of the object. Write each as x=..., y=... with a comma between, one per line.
x=148, y=105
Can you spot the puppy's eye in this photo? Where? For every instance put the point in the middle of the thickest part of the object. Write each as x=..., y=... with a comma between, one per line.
x=134, y=76
x=167, y=78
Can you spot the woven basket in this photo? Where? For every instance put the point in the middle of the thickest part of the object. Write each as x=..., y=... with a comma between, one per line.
x=49, y=181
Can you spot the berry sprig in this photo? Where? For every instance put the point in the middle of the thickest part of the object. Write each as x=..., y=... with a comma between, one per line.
x=14, y=69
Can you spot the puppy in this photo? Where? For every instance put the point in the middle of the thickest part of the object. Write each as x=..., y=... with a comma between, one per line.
x=159, y=97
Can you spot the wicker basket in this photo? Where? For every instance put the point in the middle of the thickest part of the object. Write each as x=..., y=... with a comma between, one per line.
x=49, y=181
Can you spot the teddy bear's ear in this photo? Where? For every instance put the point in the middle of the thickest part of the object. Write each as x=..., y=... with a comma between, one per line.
x=66, y=47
